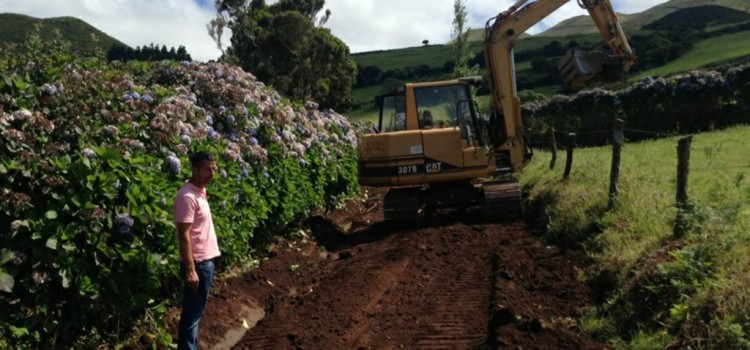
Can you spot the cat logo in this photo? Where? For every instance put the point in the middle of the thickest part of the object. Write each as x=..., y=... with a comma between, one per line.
x=433, y=167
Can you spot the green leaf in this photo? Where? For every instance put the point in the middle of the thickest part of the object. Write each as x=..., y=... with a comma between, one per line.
x=52, y=243
x=65, y=278
x=19, y=331
x=5, y=256
x=6, y=282
x=3, y=169
x=51, y=215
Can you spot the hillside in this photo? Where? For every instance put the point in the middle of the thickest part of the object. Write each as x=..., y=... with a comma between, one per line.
x=14, y=28
x=636, y=21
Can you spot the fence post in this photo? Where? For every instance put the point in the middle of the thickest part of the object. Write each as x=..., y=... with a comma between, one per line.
x=554, y=148
x=570, y=141
x=614, y=176
x=683, y=167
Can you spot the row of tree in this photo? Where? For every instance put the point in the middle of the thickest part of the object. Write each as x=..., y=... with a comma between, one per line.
x=147, y=53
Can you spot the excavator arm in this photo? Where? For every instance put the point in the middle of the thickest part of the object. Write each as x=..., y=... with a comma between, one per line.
x=506, y=128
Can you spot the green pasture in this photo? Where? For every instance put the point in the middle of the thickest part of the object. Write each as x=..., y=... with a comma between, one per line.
x=708, y=51
x=656, y=285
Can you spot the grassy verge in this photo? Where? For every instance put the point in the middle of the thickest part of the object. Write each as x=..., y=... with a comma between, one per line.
x=657, y=289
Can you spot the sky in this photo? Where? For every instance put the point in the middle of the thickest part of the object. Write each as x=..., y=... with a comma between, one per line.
x=364, y=25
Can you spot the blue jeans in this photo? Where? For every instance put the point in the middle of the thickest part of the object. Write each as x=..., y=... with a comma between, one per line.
x=193, y=305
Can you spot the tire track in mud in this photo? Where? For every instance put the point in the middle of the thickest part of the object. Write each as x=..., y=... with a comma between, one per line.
x=372, y=276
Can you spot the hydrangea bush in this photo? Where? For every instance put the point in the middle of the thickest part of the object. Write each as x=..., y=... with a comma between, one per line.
x=685, y=103
x=91, y=155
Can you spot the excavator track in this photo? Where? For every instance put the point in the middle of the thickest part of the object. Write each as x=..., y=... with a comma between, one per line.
x=402, y=204
x=502, y=200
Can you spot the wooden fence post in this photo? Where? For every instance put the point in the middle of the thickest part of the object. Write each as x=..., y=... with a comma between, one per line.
x=554, y=148
x=683, y=167
x=614, y=176
x=570, y=141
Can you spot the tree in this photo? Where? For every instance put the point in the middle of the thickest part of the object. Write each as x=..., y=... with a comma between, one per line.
x=460, y=43
x=285, y=46
x=425, y=42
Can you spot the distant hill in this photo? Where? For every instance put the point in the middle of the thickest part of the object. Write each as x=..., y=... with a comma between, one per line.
x=630, y=22
x=15, y=28
x=637, y=21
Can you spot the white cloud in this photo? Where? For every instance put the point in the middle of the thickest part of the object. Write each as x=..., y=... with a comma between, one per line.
x=367, y=25
x=364, y=25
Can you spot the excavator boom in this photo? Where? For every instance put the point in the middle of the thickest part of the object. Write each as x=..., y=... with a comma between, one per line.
x=506, y=127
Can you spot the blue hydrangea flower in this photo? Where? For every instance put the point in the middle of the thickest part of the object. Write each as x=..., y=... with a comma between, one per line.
x=135, y=95
x=230, y=119
x=184, y=138
x=123, y=223
x=209, y=120
x=174, y=164
x=148, y=99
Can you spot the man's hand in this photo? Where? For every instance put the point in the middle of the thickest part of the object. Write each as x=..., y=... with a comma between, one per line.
x=191, y=278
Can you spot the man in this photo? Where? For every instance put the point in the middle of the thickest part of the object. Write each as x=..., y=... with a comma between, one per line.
x=198, y=246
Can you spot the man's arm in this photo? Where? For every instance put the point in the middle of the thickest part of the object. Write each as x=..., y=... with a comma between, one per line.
x=186, y=253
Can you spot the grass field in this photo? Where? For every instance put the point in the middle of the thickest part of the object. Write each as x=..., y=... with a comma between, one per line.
x=705, y=52
x=633, y=245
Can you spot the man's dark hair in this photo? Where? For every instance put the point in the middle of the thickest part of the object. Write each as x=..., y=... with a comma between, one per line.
x=198, y=158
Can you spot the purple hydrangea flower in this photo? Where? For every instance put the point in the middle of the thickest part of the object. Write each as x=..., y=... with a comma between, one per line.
x=135, y=95
x=16, y=225
x=148, y=99
x=18, y=258
x=88, y=153
x=123, y=223
x=230, y=119
x=185, y=139
x=222, y=109
x=209, y=120
x=49, y=89
x=253, y=141
x=174, y=164
x=39, y=277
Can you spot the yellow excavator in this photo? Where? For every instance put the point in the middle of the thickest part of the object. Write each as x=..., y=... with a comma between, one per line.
x=433, y=149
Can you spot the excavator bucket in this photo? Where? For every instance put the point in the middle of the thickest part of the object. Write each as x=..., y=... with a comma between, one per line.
x=576, y=67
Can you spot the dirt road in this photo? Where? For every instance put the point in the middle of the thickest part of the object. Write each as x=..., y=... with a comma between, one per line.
x=451, y=282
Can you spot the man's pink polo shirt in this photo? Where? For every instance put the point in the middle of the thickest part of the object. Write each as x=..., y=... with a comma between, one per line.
x=191, y=206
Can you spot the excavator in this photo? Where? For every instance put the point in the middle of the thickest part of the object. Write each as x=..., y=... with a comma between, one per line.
x=433, y=150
